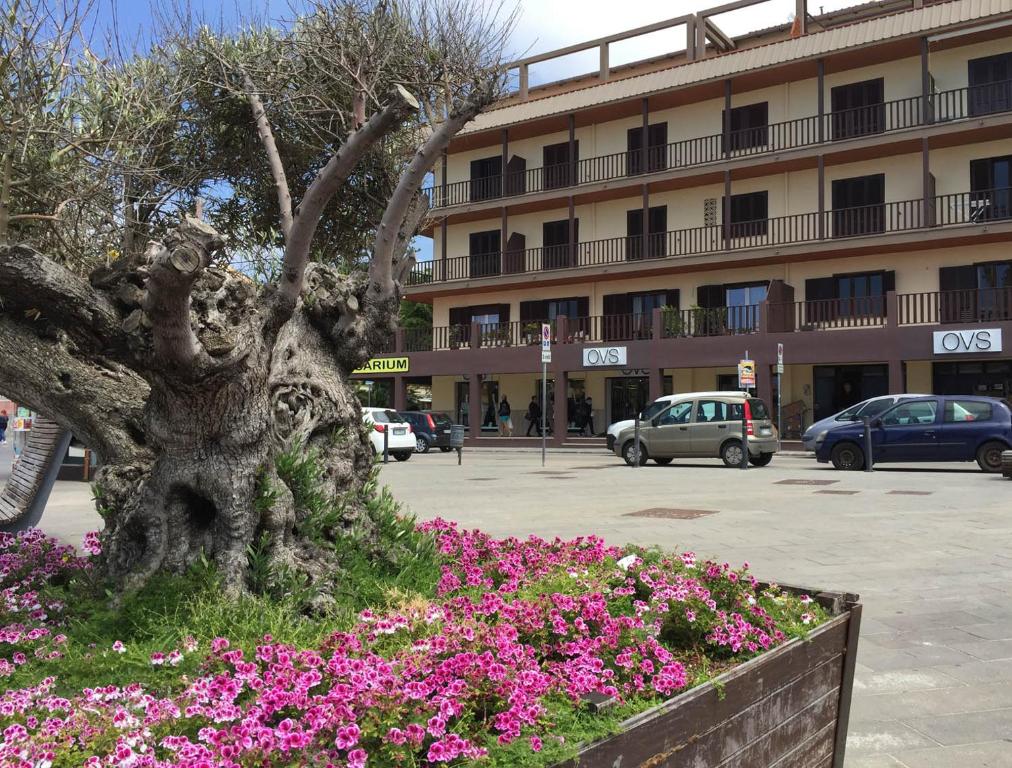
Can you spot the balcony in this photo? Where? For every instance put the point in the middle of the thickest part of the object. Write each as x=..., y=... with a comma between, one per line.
x=839, y=224
x=832, y=127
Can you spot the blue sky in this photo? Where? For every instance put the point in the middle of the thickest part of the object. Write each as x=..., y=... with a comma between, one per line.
x=538, y=28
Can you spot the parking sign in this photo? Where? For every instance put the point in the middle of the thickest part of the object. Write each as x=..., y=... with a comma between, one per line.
x=546, y=343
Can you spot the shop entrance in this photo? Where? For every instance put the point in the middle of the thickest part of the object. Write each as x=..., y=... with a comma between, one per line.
x=836, y=387
x=490, y=406
x=627, y=396
x=989, y=379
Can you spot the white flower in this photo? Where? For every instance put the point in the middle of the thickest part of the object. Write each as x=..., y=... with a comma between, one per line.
x=627, y=562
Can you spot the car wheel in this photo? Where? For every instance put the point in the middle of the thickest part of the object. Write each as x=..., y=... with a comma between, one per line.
x=402, y=455
x=445, y=449
x=847, y=457
x=629, y=453
x=989, y=456
x=730, y=452
x=761, y=460
x=421, y=444
x=663, y=462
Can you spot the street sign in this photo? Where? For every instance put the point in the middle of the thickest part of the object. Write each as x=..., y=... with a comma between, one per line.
x=746, y=374
x=546, y=355
x=780, y=369
x=780, y=355
x=546, y=337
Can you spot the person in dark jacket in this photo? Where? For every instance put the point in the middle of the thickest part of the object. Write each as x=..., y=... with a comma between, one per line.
x=3, y=426
x=534, y=416
x=505, y=418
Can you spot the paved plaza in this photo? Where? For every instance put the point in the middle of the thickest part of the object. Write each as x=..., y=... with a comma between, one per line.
x=929, y=551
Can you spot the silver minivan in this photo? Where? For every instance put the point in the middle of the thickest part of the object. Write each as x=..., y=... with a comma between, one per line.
x=703, y=426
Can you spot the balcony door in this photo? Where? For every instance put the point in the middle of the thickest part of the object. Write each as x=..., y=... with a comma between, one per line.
x=658, y=226
x=858, y=109
x=557, y=252
x=485, y=253
x=742, y=302
x=486, y=178
x=990, y=80
x=749, y=128
x=991, y=188
x=657, y=149
x=859, y=205
x=559, y=168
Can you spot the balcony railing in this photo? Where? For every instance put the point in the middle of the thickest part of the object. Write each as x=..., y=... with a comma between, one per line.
x=899, y=114
x=901, y=216
x=981, y=305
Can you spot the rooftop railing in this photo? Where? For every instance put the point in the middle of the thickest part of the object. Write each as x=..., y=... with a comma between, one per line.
x=895, y=115
x=900, y=216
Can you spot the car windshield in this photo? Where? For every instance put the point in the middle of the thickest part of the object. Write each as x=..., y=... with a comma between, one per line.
x=386, y=417
x=654, y=408
x=441, y=419
x=850, y=414
x=758, y=408
x=875, y=407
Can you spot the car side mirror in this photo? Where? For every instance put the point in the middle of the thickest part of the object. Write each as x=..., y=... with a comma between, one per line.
x=876, y=422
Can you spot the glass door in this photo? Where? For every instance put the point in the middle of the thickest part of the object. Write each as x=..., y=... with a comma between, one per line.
x=627, y=396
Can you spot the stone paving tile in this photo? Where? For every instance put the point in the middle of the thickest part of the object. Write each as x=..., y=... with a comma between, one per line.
x=979, y=671
x=945, y=636
x=998, y=630
x=987, y=650
x=932, y=620
x=901, y=680
x=889, y=736
x=938, y=701
x=967, y=727
x=872, y=761
x=996, y=754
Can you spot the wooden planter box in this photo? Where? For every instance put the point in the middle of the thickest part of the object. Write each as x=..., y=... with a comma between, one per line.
x=787, y=708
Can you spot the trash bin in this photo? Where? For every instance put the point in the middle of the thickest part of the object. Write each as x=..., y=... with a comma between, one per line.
x=457, y=440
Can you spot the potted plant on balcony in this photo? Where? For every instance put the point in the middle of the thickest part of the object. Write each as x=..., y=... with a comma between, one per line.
x=532, y=334
x=497, y=336
x=457, y=336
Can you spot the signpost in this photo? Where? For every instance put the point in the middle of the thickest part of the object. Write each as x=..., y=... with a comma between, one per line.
x=780, y=390
x=546, y=358
x=746, y=381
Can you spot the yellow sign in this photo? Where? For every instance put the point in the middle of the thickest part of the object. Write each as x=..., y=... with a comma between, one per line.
x=746, y=374
x=384, y=365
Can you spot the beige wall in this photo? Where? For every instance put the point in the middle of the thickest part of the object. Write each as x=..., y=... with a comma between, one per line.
x=787, y=101
x=920, y=376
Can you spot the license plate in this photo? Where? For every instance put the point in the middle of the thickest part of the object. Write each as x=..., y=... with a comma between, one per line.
x=398, y=430
x=446, y=431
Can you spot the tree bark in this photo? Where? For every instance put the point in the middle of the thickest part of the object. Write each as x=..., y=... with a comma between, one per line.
x=189, y=401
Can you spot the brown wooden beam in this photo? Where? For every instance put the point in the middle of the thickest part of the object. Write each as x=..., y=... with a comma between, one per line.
x=727, y=118
x=821, y=98
x=822, y=197
x=927, y=116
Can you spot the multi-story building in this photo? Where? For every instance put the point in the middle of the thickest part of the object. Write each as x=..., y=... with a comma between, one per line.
x=839, y=186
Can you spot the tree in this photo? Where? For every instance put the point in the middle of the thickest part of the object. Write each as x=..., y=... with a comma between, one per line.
x=187, y=376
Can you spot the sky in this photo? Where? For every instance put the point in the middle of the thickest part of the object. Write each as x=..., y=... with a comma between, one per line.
x=543, y=25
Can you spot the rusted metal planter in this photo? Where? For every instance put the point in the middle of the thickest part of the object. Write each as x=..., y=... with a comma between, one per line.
x=787, y=708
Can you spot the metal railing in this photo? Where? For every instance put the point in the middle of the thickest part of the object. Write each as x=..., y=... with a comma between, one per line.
x=827, y=314
x=899, y=216
x=895, y=115
x=973, y=305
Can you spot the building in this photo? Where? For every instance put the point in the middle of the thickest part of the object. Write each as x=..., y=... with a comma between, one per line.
x=839, y=186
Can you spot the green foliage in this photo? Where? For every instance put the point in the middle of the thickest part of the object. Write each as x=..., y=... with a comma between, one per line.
x=414, y=314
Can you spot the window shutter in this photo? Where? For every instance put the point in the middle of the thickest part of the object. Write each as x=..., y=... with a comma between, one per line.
x=617, y=304
x=671, y=298
x=820, y=293
x=460, y=315
x=504, y=313
x=583, y=306
x=531, y=311
x=888, y=281
x=710, y=296
x=958, y=299
x=957, y=278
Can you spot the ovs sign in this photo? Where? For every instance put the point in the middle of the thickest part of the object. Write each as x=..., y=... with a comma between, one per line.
x=613, y=357
x=963, y=342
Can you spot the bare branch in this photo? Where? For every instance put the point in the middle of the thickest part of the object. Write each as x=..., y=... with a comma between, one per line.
x=266, y=134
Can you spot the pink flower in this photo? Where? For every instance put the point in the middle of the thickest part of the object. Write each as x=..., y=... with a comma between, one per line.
x=535, y=743
x=119, y=647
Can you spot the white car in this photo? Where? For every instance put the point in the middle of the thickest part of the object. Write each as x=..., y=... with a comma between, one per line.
x=384, y=421
x=649, y=412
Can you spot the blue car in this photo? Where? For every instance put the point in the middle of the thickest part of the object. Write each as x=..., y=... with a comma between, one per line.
x=937, y=428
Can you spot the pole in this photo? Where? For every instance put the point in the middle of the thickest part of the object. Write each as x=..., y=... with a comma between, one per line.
x=868, y=459
x=386, y=444
x=780, y=402
x=544, y=408
x=636, y=440
x=744, y=437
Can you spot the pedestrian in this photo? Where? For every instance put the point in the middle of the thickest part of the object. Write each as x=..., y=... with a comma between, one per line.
x=463, y=412
x=3, y=426
x=505, y=418
x=534, y=416
x=588, y=409
x=489, y=420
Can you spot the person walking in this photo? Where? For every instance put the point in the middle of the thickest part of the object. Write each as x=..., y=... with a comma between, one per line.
x=505, y=418
x=534, y=416
x=588, y=416
x=3, y=426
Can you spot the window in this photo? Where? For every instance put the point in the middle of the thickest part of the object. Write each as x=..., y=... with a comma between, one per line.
x=656, y=407
x=758, y=409
x=713, y=410
x=906, y=414
x=990, y=80
x=975, y=292
x=967, y=410
x=749, y=128
x=658, y=220
x=657, y=149
x=679, y=413
x=559, y=168
x=749, y=214
x=485, y=256
x=556, y=251
x=486, y=178
x=991, y=188
x=858, y=109
x=385, y=417
x=489, y=318
x=861, y=295
x=562, y=307
x=859, y=205
x=742, y=302
x=646, y=303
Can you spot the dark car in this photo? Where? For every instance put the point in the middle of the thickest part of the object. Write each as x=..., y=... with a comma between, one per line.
x=431, y=428
x=957, y=428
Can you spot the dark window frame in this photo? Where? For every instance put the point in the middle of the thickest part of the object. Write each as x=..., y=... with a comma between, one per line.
x=989, y=84
x=561, y=172
x=749, y=127
x=864, y=219
x=748, y=214
x=562, y=254
x=990, y=196
x=657, y=221
x=485, y=261
x=858, y=109
x=657, y=149
x=487, y=184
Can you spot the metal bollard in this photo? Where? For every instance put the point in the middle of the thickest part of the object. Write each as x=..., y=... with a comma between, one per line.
x=744, y=438
x=386, y=444
x=636, y=440
x=868, y=459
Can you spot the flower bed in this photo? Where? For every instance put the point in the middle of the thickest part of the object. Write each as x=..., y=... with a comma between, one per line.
x=521, y=652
